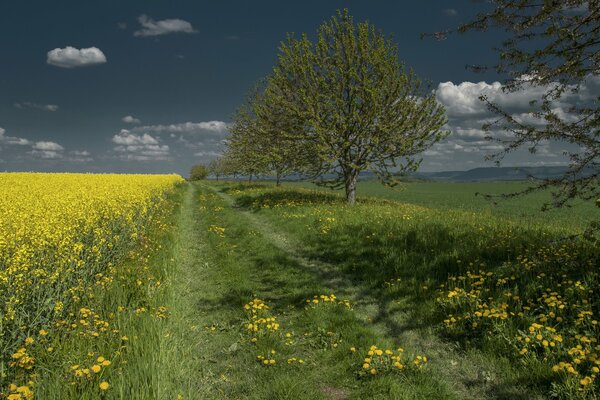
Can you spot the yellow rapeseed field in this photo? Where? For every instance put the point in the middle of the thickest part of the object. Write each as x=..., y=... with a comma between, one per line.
x=62, y=237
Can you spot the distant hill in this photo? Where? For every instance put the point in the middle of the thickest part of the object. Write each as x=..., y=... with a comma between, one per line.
x=492, y=174
x=483, y=174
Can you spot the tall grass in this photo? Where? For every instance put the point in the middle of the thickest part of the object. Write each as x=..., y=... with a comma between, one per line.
x=78, y=280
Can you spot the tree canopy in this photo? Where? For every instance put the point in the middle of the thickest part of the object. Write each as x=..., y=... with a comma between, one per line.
x=198, y=172
x=346, y=104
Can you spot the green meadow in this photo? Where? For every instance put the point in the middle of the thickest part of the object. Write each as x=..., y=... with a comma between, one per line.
x=424, y=293
x=420, y=292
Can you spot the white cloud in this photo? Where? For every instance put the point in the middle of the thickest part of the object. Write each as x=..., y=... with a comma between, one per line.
x=48, y=146
x=70, y=57
x=45, y=107
x=80, y=156
x=187, y=127
x=129, y=119
x=466, y=147
x=12, y=140
x=451, y=12
x=125, y=137
x=151, y=27
x=47, y=150
x=210, y=154
x=139, y=147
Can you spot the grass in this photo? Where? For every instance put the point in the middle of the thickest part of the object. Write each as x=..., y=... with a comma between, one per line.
x=241, y=263
x=129, y=304
x=457, y=286
x=464, y=196
x=398, y=264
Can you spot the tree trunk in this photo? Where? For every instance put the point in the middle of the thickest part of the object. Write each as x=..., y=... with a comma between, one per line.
x=350, y=184
x=250, y=178
x=278, y=181
x=217, y=175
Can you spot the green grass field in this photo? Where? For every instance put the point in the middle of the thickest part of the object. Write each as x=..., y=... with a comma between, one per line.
x=467, y=196
x=289, y=293
x=471, y=298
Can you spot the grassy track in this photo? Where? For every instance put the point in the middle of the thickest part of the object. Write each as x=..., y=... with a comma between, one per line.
x=228, y=255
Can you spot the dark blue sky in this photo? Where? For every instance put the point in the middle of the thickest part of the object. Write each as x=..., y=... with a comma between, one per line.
x=171, y=78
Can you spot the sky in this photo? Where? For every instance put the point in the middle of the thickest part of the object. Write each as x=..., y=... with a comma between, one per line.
x=142, y=86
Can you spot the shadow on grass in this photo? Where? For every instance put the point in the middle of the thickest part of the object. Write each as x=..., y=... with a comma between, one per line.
x=358, y=259
x=287, y=198
x=368, y=255
x=232, y=187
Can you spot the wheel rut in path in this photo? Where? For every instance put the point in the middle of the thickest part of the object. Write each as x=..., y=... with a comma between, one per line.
x=329, y=276
x=464, y=372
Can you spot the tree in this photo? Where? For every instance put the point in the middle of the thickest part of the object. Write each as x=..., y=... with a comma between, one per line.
x=215, y=167
x=358, y=108
x=198, y=172
x=553, y=45
x=245, y=147
x=261, y=138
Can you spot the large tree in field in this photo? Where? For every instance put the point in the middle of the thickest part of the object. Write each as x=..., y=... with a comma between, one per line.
x=552, y=45
x=360, y=109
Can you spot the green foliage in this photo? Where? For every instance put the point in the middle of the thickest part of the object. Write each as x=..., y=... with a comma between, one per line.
x=260, y=141
x=336, y=107
x=355, y=103
x=216, y=168
x=198, y=172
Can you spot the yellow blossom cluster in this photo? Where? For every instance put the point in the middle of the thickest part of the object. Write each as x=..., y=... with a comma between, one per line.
x=544, y=304
x=88, y=372
x=268, y=360
x=328, y=299
x=260, y=321
x=217, y=230
x=63, y=239
x=19, y=392
x=378, y=361
x=325, y=224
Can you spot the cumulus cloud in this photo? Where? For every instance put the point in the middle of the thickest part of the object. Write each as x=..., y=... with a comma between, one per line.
x=45, y=107
x=12, y=140
x=80, y=156
x=209, y=154
x=451, y=12
x=463, y=99
x=219, y=127
x=70, y=57
x=139, y=147
x=129, y=119
x=467, y=147
x=47, y=150
x=151, y=27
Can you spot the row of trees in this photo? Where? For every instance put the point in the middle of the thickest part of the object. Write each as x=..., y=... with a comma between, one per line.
x=333, y=108
x=343, y=104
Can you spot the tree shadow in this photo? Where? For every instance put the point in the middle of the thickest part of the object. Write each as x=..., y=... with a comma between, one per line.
x=286, y=198
x=395, y=268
